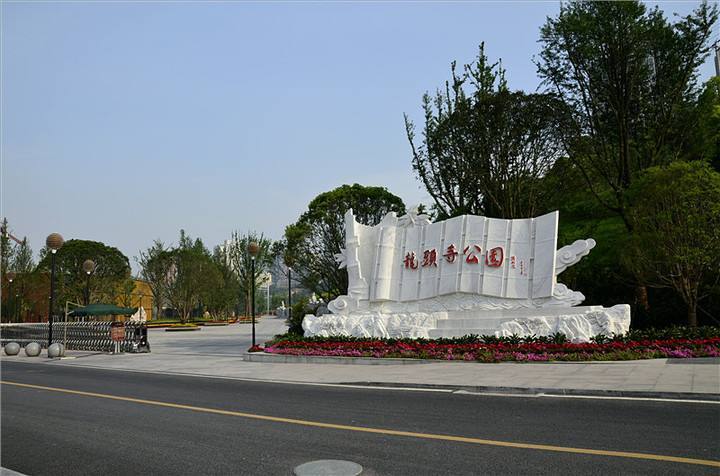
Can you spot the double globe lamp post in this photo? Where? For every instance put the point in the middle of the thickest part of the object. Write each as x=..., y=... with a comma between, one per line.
x=53, y=242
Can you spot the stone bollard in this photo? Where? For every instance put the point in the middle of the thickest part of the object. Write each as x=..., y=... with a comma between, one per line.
x=12, y=348
x=56, y=350
x=32, y=349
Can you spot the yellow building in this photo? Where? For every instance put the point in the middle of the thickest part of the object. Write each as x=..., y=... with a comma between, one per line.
x=144, y=297
x=141, y=296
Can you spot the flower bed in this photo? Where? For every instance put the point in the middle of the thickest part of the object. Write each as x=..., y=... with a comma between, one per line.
x=188, y=326
x=499, y=350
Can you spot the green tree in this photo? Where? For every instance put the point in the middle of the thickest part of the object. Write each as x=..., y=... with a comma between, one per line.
x=112, y=270
x=6, y=249
x=7, y=302
x=221, y=298
x=240, y=261
x=629, y=79
x=485, y=148
x=23, y=261
x=675, y=212
x=191, y=266
x=313, y=241
x=705, y=142
x=154, y=269
x=24, y=265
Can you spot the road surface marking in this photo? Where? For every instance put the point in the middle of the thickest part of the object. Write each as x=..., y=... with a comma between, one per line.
x=381, y=431
x=637, y=399
x=255, y=380
x=361, y=386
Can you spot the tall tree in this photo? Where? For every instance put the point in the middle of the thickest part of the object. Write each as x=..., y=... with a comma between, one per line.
x=313, y=241
x=112, y=270
x=190, y=267
x=485, y=148
x=23, y=261
x=6, y=249
x=154, y=269
x=222, y=297
x=675, y=212
x=705, y=141
x=629, y=78
x=7, y=302
x=240, y=261
x=24, y=265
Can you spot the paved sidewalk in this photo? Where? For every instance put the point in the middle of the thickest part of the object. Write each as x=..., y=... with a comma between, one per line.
x=215, y=352
x=660, y=378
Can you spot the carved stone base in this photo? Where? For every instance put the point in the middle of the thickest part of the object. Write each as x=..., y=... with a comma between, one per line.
x=579, y=324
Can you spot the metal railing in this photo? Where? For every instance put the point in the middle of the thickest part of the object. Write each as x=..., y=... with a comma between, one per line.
x=88, y=335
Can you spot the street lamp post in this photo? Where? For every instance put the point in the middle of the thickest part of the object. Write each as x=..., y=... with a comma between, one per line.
x=289, y=306
x=11, y=277
x=253, y=249
x=88, y=266
x=54, y=242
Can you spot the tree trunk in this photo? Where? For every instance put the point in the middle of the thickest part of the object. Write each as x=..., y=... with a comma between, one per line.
x=692, y=313
x=641, y=296
x=691, y=300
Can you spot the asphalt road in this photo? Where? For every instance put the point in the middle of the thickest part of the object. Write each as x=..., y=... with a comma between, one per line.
x=49, y=432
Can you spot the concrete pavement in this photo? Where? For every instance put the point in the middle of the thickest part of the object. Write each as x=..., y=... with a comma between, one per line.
x=231, y=340
x=220, y=352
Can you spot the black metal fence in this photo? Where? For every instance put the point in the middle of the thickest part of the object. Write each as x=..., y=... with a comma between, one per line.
x=88, y=335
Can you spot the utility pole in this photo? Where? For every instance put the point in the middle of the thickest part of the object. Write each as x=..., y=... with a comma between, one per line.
x=717, y=57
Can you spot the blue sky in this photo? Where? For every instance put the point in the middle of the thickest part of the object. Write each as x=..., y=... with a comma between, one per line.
x=124, y=122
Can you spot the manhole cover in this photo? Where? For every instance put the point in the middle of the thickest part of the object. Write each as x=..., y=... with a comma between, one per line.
x=328, y=467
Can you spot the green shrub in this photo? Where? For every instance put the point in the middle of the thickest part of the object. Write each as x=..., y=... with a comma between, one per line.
x=299, y=309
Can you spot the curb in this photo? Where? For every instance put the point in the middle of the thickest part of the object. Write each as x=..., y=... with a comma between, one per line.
x=487, y=390
x=542, y=391
x=319, y=359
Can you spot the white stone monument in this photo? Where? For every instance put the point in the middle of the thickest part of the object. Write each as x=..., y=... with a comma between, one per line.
x=409, y=277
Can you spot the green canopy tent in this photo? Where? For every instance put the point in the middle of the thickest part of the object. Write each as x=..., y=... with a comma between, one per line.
x=140, y=335
x=102, y=310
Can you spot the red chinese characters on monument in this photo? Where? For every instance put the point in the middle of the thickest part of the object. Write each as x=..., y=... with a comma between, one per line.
x=429, y=258
x=450, y=254
x=410, y=260
x=472, y=257
x=494, y=257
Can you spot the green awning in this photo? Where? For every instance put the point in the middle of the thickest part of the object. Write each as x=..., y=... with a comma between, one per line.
x=103, y=310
